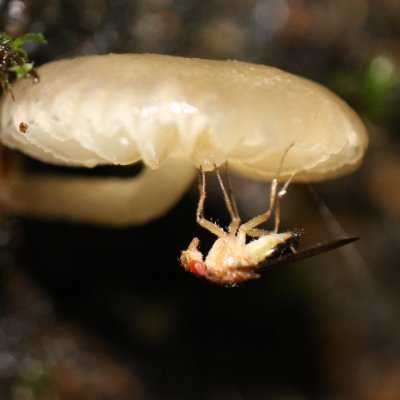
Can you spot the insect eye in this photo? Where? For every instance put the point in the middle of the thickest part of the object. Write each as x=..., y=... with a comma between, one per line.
x=197, y=268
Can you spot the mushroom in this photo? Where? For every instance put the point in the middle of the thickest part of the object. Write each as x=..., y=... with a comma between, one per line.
x=175, y=115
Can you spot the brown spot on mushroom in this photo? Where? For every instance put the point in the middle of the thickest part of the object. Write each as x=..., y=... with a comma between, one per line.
x=23, y=127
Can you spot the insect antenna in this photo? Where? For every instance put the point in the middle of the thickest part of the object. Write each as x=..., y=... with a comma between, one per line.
x=306, y=253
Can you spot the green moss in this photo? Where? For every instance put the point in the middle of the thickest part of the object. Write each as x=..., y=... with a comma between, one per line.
x=14, y=58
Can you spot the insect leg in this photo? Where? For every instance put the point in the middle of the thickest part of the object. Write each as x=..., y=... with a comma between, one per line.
x=204, y=223
x=230, y=192
x=230, y=204
x=273, y=202
x=259, y=219
x=280, y=194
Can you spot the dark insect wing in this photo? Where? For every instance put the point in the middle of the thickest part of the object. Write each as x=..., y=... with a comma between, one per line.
x=306, y=253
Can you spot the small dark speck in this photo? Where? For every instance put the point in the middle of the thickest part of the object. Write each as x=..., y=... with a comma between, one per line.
x=23, y=127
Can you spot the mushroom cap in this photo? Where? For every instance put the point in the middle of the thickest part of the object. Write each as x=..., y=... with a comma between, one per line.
x=112, y=201
x=121, y=108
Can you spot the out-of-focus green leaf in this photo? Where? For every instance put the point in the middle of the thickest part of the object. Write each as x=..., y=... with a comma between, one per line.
x=374, y=91
x=15, y=58
x=16, y=43
x=21, y=71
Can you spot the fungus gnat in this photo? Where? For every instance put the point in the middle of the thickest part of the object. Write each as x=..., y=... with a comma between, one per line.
x=233, y=258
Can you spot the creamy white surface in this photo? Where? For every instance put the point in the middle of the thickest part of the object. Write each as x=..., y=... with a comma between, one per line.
x=117, y=109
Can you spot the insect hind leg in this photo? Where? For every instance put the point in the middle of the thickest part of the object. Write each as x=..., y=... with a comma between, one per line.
x=274, y=207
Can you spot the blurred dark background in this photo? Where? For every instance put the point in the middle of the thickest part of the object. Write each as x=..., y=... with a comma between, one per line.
x=98, y=313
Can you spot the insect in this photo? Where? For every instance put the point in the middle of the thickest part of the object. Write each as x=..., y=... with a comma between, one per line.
x=13, y=58
x=234, y=258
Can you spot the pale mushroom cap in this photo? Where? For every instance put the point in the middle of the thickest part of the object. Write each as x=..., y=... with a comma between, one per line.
x=96, y=200
x=117, y=109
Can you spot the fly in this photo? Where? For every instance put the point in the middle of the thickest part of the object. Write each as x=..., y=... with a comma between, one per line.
x=243, y=252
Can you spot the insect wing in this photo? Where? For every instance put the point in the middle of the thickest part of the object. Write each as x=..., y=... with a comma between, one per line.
x=306, y=253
